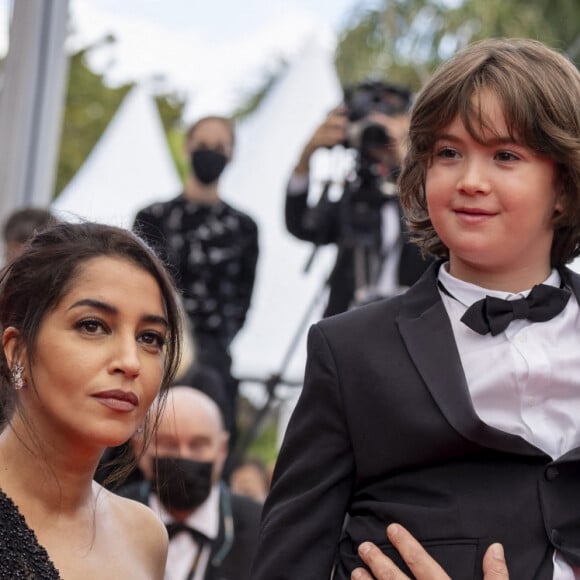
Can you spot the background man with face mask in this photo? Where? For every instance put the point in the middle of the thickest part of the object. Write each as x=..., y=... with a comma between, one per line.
x=212, y=533
x=211, y=248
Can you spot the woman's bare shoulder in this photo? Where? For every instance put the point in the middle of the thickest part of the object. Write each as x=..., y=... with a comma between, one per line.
x=147, y=532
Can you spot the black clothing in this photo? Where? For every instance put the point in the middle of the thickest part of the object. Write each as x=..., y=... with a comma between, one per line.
x=232, y=551
x=174, y=528
x=335, y=224
x=494, y=314
x=21, y=556
x=386, y=400
x=212, y=251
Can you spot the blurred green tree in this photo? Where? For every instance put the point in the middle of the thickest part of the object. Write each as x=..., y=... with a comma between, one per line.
x=402, y=41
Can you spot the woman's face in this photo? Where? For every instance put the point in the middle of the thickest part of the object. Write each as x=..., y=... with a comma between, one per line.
x=99, y=358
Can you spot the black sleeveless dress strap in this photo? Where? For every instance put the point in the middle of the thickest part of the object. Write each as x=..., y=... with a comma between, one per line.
x=21, y=556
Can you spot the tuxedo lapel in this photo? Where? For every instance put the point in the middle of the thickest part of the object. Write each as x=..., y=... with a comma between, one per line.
x=428, y=336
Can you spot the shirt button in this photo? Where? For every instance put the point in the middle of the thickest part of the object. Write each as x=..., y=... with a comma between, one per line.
x=552, y=473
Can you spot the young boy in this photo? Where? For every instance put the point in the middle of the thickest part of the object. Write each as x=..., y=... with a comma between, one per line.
x=427, y=409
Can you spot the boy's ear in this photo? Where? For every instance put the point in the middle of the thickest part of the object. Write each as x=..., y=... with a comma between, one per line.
x=560, y=203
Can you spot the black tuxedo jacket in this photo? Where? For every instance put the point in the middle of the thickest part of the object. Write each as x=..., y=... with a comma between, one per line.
x=232, y=551
x=329, y=228
x=385, y=431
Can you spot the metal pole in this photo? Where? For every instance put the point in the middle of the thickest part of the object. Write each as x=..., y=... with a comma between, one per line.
x=31, y=103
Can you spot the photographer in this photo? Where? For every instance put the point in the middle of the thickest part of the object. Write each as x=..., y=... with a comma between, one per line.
x=375, y=256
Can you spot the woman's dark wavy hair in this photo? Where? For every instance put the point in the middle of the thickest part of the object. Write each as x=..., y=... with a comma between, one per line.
x=539, y=91
x=34, y=283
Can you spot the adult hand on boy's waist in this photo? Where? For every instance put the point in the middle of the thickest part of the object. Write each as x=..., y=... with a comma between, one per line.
x=419, y=562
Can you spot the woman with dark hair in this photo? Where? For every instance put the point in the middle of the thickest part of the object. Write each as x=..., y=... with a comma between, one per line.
x=90, y=335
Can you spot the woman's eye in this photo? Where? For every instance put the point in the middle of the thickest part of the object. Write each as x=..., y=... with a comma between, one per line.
x=153, y=339
x=90, y=326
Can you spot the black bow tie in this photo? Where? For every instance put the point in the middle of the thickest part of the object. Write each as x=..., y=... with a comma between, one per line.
x=494, y=314
x=174, y=528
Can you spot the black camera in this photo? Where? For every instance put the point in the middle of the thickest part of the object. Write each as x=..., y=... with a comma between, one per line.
x=368, y=97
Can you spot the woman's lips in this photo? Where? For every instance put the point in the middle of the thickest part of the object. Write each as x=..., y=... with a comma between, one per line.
x=118, y=400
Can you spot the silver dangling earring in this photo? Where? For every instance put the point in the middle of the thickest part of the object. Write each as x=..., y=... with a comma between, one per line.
x=16, y=375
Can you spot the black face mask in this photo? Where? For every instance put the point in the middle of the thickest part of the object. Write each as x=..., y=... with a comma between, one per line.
x=181, y=484
x=208, y=164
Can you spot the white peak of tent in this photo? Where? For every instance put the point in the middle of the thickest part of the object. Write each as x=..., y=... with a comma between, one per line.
x=129, y=167
x=297, y=103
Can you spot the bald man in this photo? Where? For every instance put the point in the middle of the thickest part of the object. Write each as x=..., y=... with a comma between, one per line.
x=212, y=533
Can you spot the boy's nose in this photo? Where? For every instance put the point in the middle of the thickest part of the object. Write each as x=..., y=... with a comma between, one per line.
x=473, y=179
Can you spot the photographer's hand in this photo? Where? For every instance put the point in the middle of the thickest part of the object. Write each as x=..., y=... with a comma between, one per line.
x=398, y=130
x=331, y=132
x=420, y=563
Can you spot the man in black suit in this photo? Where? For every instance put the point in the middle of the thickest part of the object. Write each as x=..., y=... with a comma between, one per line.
x=212, y=532
x=375, y=256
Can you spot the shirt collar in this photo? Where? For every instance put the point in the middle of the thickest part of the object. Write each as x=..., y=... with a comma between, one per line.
x=468, y=293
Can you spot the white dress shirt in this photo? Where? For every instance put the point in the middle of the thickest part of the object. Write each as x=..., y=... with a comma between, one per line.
x=525, y=380
x=183, y=548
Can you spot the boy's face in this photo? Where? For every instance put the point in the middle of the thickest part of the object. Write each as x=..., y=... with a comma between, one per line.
x=492, y=205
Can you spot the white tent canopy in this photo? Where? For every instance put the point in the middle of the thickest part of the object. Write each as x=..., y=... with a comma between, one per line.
x=129, y=167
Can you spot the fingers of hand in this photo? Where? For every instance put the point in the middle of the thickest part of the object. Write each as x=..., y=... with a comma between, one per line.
x=415, y=556
x=382, y=567
x=494, y=565
x=360, y=574
x=336, y=121
x=329, y=134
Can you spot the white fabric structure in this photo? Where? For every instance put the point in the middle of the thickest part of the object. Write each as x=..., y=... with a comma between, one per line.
x=128, y=168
